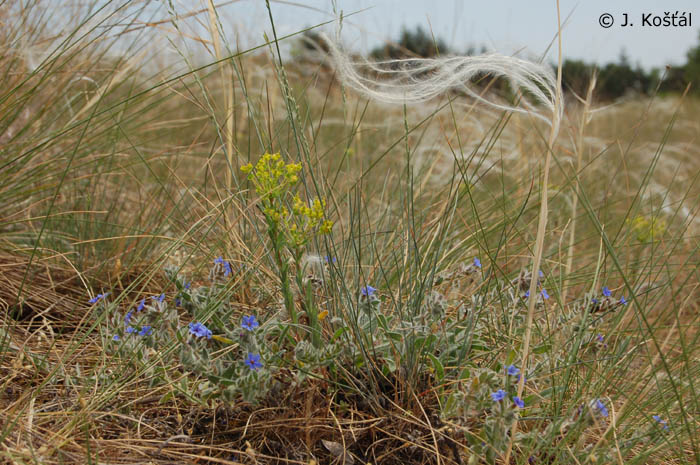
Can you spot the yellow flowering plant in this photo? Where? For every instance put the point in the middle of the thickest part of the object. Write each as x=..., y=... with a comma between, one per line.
x=289, y=229
x=647, y=228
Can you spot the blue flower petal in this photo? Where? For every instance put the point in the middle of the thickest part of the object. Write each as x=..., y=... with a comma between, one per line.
x=250, y=323
x=253, y=361
x=368, y=291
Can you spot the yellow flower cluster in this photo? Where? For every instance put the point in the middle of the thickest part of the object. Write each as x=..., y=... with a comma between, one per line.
x=271, y=175
x=308, y=218
x=647, y=228
x=313, y=213
x=273, y=180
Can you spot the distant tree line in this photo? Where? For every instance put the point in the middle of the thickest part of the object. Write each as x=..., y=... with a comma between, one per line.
x=614, y=80
x=619, y=79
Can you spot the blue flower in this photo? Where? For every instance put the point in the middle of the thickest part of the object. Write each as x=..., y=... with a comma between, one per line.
x=594, y=301
x=512, y=370
x=660, y=421
x=199, y=330
x=540, y=274
x=178, y=302
x=518, y=401
x=249, y=323
x=368, y=291
x=130, y=329
x=141, y=305
x=116, y=337
x=623, y=301
x=498, y=395
x=600, y=338
x=543, y=292
x=601, y=408
x=98, y=297
x=145, y=331
x=187, y=285
x=477, y=262
x=159, y=298
x=127, y=317
x=606, y=291
x=225, y=264
x=253, y=361
x=329, y=259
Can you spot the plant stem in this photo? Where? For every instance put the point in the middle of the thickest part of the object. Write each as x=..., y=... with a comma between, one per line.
x=284, y=276
x=539, y=242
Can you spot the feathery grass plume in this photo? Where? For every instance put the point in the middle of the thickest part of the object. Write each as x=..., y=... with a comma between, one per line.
x=416, y=80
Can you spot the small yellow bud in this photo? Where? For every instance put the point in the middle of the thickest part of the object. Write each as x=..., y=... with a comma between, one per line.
x=326, y=227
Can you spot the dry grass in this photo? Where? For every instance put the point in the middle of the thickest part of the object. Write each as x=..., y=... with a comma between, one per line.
x=114, y=167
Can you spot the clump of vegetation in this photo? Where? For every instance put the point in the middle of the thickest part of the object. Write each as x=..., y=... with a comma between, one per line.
x=241, y=261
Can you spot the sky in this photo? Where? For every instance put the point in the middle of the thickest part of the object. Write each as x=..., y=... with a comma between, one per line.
x=525, y=27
